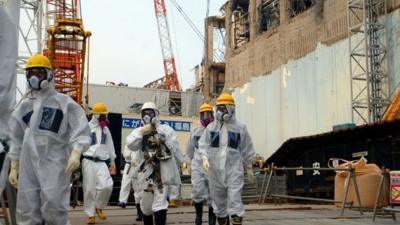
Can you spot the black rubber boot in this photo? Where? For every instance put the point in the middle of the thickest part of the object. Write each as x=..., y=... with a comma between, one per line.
x=160, y=217
x=139, y=216
x=147, y=220
x=223, y=220
x=212, y=219
x=199, y=213
x=237, y=220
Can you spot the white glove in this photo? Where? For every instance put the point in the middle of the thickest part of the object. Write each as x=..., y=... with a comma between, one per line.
x=13, y=176
x=206, y=164
x=112, y=168
x=146, y=129
x=73, y=162
x=133, y=164
x=250, y=174
x=184, y=165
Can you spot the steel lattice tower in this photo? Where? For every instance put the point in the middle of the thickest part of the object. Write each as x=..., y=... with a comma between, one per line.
x=367, y=44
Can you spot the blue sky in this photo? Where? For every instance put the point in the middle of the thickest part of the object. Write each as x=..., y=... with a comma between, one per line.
x=125, y=46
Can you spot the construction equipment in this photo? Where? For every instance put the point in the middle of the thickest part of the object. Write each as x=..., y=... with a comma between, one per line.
x=66, y=47
x=170, y=80
x=393, y=110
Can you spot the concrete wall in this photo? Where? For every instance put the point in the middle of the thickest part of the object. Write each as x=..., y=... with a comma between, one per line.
x=119, y=98
x=325, y=23
x=307, y=95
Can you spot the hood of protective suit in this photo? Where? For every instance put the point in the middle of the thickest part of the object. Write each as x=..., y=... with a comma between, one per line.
x=155, y=120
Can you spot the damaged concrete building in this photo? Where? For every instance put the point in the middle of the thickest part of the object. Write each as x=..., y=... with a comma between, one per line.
x=289, y=60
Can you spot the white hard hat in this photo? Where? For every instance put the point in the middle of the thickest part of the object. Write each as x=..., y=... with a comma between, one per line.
x=149, y=105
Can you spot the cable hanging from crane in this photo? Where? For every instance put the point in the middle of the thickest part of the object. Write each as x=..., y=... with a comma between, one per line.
x=194, y=27
x=188, y=20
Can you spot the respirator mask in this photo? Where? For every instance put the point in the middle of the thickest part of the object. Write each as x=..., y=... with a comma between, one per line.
x=149, y=116
x=39, y=78
x=224, y=112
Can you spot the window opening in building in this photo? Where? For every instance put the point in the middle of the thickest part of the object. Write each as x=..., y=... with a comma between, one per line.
x=219, y=45
x=299, y=6
x=220, y=83
x=269, y=14
x=240, y=22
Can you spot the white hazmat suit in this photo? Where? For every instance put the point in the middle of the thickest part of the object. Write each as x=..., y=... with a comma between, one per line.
x=8, y=61
x=130, y=179
x=158, y=201
x=129, y=176
x=227, y=146
x=158, y=145
x=175, y=189
x=199, y=178
x=44, y=129
x=200, y=191
x=97, y=181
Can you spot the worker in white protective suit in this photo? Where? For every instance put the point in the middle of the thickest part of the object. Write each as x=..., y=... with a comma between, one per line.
x=97, y=164
x=225, y=146
x=158, y=144
x=130, y=181
x=8, y=61
x=175, y=189
x=200, y=190
x=49, y=131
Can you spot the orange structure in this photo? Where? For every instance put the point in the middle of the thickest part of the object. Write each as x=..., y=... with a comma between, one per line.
x=393, y=110
x=66, y=47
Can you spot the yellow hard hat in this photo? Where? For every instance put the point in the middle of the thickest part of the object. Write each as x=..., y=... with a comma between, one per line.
x=100, y=108
x=38, y=60
x=225, y=99
x=205, y=108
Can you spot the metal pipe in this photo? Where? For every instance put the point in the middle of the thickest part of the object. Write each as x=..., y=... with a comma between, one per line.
x=350, y=176
x=357, y=191
x=378, y=196
x=309, y=199
x=346, y=186
x=310, y=168
x=262, y=187
x=268, y=183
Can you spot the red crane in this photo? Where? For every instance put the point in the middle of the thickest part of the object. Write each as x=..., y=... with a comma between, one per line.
x=170, y=80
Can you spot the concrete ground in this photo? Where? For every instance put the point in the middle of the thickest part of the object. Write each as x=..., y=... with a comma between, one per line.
x=286, y=214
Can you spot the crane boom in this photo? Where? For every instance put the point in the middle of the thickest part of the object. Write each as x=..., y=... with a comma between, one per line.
x=171, y=75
